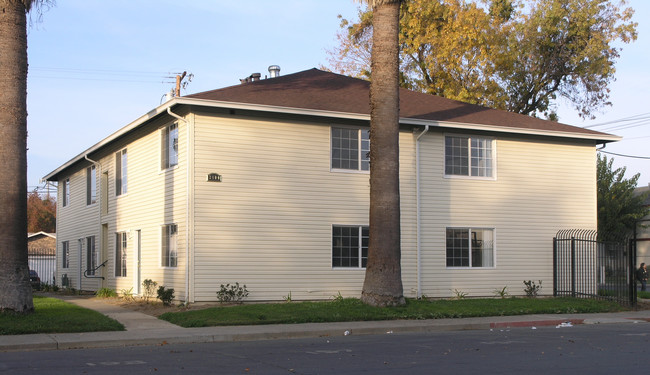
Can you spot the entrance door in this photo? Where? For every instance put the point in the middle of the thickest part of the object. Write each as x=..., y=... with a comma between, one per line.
x=103, y=257
x=137, y=258
x=81, y=263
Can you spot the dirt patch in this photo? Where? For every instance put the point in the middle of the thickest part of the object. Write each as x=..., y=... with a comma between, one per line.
x=155, y=307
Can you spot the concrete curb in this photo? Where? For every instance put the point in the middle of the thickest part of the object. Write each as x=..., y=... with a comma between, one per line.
x=179, y=335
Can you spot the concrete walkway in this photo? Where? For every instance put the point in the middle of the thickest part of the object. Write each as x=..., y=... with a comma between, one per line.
x=143, y=329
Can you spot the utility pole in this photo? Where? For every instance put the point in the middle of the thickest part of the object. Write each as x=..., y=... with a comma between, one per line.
x=179, y=78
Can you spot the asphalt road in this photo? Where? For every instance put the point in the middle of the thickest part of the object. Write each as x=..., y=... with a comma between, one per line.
x=594, y=349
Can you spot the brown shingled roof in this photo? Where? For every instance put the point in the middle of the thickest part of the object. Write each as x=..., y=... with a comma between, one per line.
x=319, y=90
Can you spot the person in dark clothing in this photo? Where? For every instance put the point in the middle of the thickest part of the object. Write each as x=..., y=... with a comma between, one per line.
x=642, y=276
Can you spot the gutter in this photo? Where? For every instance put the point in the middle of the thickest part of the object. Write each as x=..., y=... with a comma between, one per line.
x=417, y=211
x=187, y=206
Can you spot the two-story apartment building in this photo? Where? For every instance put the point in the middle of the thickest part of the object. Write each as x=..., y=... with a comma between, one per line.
x=266, y=184
x=642, y=232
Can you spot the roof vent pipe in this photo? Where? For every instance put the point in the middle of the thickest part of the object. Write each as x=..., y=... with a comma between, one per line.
x=274, y=71
x=256, y=76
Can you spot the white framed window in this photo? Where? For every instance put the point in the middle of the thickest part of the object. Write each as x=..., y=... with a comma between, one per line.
x=91, y=256
x=66, y=192
x=350, y=149
x=121, y=246
x=469, y=156
x=470, y=247
x=349, y=246
x=169, y=146
x=120, y=172
x=91, y=185
x=65, y=254
x=169, y=249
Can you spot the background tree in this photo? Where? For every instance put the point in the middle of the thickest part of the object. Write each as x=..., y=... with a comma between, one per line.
x=383, y=280
x=15, y=289
x=41, y=213
x=618, y=207
x=505, y=54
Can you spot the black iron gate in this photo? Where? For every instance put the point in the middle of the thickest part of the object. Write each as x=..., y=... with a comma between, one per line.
x=584, y=266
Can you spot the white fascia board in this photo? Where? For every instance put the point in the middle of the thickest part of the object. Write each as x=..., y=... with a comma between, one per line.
x=511, y=130
x=133, y=125
x=404, y=121
x=318, y=113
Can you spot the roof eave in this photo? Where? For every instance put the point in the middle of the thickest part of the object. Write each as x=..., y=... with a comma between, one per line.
x=599, y=138
x=133, y=125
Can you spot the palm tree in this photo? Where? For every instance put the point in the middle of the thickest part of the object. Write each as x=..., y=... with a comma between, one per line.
x=15, y=289
x=383, y=283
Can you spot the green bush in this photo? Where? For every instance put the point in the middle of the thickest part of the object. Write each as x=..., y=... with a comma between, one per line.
x=166, y=295
x=149, y=287
x=106, y=293
x=232, y=293
x=531, y=288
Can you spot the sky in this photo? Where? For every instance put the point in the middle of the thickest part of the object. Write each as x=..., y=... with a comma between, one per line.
x=95, y=66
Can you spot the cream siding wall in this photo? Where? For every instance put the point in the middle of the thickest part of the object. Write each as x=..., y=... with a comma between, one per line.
x=268, y=224
x=541, y=186
x=153, y=198
x=75, y=222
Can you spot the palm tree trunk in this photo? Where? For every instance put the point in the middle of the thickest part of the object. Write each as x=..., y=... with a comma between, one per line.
x=383, y=281
x=15, y=289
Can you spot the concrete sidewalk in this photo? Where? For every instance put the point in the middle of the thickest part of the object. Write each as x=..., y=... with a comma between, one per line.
x=143, y=329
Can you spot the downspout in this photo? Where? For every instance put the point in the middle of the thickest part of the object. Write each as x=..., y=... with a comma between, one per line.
x=417, y=210
x=187, y=209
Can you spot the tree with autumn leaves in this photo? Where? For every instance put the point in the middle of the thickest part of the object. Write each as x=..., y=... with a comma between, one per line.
x=41, y=213
x=520, y=56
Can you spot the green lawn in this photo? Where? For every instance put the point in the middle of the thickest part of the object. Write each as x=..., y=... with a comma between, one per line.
x=53, y=315
x=353, y=310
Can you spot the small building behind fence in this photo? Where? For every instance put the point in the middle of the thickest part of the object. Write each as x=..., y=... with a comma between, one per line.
x=41, y=248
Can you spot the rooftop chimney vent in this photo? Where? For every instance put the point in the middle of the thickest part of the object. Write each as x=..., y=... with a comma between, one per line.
x=274, y=71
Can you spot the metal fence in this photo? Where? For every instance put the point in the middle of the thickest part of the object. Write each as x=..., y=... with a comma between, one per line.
x=584, y=266
x=43, y=261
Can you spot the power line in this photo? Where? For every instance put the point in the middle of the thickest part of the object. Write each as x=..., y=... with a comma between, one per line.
x=642, y=116
x=625, y=156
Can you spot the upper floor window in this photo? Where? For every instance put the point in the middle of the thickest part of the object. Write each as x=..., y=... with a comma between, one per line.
x=470, y=247
x=469, y=156
x=169, y=245
x=66, y=192
x=91, y=185
x=350, y=149
x=120, y=172
x=169, y=146
x=350, y=246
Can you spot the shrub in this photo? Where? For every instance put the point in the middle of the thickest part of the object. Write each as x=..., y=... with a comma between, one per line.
x=127, y=294
x=460, y=294
x=503, y=293
x=149, y=287
x=166, y=295
x=232, y=293
x=105, y=293
x=531, y=288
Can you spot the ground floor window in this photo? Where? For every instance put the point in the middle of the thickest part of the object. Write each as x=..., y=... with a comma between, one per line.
x=169, y=245
x=349, y=246
x=120, y=254
x=65, y=254
x=470, y=247
x=91, y=256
